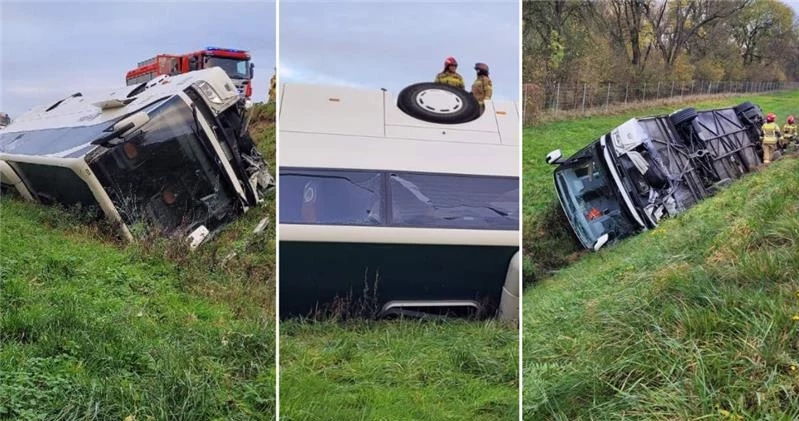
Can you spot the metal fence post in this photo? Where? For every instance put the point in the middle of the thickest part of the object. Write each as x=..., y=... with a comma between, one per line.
x=709, y=84
x=557, y=98
x=584, y=85
x=682, y=85
x=671, y=94
x=643, y=93
x=626, y=90
x=607, y=98
x=657, y=92
x=692, y=86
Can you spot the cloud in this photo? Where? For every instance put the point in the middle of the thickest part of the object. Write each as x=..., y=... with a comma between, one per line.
x=65, y=47
x=394, y=44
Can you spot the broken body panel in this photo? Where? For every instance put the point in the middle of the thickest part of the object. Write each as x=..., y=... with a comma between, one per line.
x=172, y=153
x=651, y=168
x=400, y=215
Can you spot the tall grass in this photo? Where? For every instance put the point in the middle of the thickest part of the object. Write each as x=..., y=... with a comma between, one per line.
x=697, y=319
x=392, y=370
x=93, y=329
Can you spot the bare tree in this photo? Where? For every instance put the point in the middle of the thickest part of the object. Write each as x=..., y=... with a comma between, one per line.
x=676, y=22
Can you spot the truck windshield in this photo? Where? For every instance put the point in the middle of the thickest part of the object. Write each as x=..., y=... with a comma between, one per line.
x=163, y=175
x=591, y=201
x=235, y=68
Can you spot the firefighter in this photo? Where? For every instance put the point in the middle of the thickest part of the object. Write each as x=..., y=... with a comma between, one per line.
x=450, y=75
x=482, y=89
x=771, y=137
x=273, y=87
x=789, y=131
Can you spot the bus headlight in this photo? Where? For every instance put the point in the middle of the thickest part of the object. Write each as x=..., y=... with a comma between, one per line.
x=208, y=91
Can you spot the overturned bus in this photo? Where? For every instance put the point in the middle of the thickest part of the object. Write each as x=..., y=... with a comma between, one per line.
x=651, y=168
x=172, y=154
x=406, y=208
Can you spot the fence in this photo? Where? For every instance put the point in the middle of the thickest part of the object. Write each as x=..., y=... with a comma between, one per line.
x=582, y=97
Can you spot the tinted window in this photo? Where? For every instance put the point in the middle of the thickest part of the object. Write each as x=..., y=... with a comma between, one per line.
x=453, y=201
x=57, y=184
x=331, y=197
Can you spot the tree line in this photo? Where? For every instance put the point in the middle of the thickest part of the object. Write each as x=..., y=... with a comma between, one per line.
x=639, y=41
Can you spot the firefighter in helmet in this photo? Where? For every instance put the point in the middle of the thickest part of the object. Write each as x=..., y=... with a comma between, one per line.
x=789, y=131
x=482, y=89
x=771, y=137
x=450, y=75
x=273, y=87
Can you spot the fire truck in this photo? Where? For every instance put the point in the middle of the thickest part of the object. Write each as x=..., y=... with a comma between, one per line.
x=236, y=63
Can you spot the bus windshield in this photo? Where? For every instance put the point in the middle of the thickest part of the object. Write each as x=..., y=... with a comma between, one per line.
x=591, y=201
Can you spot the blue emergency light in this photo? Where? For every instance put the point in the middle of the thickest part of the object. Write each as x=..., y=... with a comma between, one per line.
x=224, y=49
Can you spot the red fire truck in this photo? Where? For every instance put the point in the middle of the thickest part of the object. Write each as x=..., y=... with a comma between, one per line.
x=236, y=63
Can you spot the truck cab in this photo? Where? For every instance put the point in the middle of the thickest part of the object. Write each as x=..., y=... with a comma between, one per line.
x=171, y=155
x=235, y=63
x=651, y=168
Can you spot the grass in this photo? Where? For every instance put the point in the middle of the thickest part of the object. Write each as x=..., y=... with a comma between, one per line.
x=398, y=370
x=91, y=329
x=406, y=370
x=698, y=319
x=548, y=241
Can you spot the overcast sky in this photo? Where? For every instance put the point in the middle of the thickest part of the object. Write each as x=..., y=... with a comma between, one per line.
x=52, y=50
x=392, y=44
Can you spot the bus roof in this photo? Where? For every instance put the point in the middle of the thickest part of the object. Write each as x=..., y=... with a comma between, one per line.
x=351, y=128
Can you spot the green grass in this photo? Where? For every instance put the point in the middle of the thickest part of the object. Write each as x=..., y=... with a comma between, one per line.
x=399, y=370
x=548, y=241
x=693, y=320
x=91, y=329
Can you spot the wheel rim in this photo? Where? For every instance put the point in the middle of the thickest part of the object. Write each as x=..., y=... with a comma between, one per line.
x=439, y=101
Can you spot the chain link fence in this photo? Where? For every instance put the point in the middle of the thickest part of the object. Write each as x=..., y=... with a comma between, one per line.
x=552, y=99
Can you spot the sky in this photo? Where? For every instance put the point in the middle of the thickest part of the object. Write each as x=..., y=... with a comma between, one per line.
x=51, y=50
x=393, y=44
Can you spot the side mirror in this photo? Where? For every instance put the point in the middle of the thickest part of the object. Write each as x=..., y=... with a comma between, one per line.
x=601, y=241
x=252, y=70
x=554, y=157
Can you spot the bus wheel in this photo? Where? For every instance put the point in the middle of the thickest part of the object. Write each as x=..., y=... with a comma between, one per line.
x=438, y=103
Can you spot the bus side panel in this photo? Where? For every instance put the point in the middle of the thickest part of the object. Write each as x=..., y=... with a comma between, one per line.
x=313, y=274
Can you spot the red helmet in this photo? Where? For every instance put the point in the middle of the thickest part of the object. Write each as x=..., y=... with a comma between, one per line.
x=790, y=119
x=770, y=117
x=450, y=61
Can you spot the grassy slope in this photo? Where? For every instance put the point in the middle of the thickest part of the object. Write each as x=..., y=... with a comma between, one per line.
x=694, y=319
x=91, y=329
x=548, y=242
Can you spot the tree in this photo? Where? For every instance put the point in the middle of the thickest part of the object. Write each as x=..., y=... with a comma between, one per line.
x=677, y=22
